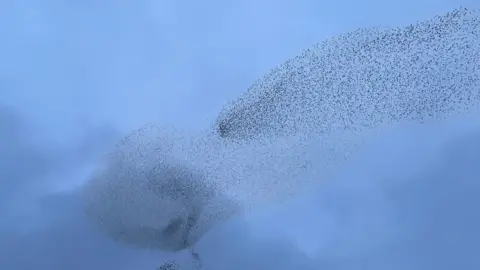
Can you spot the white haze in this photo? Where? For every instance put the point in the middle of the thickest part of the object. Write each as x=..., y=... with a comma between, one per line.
x=408, y=200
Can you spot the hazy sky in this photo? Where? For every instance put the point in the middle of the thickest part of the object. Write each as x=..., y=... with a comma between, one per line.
x=76, y=74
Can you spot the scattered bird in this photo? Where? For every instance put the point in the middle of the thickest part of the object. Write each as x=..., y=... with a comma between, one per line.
x=164, y=188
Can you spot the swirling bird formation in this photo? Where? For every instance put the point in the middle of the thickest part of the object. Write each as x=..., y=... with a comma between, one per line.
x=161, y=189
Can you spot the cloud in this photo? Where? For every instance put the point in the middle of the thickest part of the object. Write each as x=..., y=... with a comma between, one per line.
x=29, y=159
x=66, y=241
x=407, y=201
x=40, y=227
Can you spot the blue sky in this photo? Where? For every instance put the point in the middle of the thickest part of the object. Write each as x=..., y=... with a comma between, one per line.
x=77, y=74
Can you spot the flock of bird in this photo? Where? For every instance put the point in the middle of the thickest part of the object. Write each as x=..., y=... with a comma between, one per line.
x=165, y=188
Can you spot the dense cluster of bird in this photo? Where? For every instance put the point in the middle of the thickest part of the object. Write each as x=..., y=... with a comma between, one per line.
x=157, y=191
x=364, y=78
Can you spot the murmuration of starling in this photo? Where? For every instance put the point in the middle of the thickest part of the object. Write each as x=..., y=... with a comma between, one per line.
x=361, y=79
